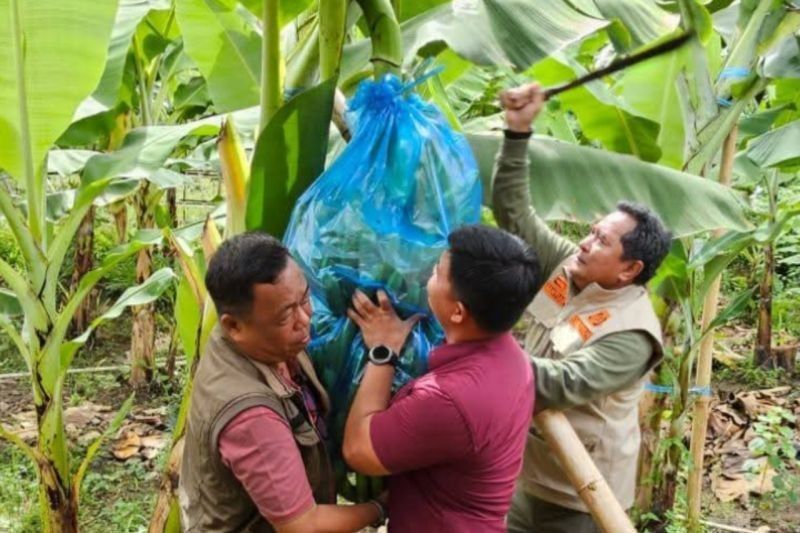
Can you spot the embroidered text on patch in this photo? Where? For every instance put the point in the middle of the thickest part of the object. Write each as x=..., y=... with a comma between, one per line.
x=557, y=289
x=598, y=318
x=576, y=322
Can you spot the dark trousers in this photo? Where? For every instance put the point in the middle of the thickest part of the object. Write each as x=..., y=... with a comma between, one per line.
x=529, y=514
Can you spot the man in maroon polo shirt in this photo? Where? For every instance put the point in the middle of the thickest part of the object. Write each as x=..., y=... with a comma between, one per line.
x=451, y=440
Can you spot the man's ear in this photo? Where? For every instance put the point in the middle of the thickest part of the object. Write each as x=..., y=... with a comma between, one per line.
x=231, y=325
x=631, y=271
x=459, y=314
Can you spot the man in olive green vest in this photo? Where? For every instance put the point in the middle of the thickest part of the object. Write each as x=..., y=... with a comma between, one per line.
x=594, y=334
x=254, y=457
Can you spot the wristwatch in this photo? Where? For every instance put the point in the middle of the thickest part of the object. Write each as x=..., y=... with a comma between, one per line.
x=382, y=514
x=382, y=355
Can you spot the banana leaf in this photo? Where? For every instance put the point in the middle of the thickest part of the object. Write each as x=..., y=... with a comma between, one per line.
x=571, y=182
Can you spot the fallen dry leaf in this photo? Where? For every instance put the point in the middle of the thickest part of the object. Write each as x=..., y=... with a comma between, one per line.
x=157, y=441
x=727, y=490
x=726, y=409
x=127, y=446
x=731, y=486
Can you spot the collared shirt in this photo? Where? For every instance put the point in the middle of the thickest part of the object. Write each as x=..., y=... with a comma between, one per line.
x=453, y=438
x=259, y=448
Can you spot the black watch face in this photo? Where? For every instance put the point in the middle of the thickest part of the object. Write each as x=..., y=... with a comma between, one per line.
x=381, y=354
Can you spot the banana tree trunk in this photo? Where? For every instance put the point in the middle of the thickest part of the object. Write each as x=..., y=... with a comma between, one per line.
x=119, y=211
x=652, y=406
x=763, y=351
x=763, y=355
x=143, y=333
x=58, y=504
x=83, y=263
x=172, y=206
x=59, y=507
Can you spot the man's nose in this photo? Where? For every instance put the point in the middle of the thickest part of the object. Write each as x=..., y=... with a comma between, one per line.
x=304, y=317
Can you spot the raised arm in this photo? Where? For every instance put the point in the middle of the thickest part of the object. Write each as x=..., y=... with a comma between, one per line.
x=511, y=197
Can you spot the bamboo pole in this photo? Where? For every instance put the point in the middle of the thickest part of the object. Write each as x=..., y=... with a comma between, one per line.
x=582, y=473
x=705, y=358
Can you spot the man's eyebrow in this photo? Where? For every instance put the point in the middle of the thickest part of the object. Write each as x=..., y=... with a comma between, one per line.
x=294, y=304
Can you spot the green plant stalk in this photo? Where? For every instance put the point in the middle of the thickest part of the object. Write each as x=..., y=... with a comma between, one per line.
x=711, y=137
x=144, y=96
x=271, y=83
x=34, y=185
x=743, y=51
x=440, y=98
x=153, y=74
x=706, y=106
x=332, y=20
x=387, y=40
x=63, y=239
x=7, y=326
x=301, y=65
x=30, y=251
x=560, y=128
x=789, y=25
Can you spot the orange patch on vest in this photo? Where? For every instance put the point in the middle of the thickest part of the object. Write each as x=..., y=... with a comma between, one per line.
x=557, y=289
x=580, y=327
x=597, y=319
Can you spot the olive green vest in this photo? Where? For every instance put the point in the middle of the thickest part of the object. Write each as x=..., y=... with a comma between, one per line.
x=227, y=383
x=607, y=426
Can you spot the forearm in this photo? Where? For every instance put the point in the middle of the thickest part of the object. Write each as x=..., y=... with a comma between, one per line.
x=598, y=370
x=333, y=519
x=511, y=202
x=372, y=397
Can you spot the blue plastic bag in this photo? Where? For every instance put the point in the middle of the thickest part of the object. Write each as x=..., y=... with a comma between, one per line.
x=379, y=217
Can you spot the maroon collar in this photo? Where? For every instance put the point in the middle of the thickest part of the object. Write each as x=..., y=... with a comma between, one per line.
x=447, y=353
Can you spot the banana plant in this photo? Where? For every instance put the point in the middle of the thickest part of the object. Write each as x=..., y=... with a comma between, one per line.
x=64, y=40
x=771, y=159
x=195, y=317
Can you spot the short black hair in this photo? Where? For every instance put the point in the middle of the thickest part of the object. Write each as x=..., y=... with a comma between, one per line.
x=239, y=263
x=494, y=274
x=648, y=242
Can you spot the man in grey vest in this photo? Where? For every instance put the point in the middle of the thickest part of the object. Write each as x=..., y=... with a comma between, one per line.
x=594, y=334
x=255, y=458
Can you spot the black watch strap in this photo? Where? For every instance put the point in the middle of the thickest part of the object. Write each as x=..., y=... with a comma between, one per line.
x=517, y=134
